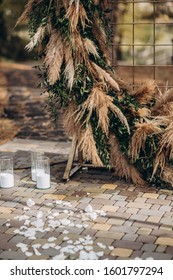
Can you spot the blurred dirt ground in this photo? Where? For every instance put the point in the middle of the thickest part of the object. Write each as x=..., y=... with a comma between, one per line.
x=23, y=105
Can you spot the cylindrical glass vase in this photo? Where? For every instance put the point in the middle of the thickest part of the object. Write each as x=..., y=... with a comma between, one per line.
x=34, y=156
x=43, y=173
x=6, y=172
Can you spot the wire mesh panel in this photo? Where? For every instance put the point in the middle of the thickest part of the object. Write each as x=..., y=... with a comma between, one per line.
x=142, y=43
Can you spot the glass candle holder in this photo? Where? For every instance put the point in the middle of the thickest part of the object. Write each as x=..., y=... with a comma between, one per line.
x=34, y=156
x=6, y=172
x=43, y=172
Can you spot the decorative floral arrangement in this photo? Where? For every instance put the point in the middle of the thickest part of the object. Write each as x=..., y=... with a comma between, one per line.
x=115, y=125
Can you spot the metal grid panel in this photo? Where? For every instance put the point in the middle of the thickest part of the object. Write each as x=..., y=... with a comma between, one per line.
x=151, y=67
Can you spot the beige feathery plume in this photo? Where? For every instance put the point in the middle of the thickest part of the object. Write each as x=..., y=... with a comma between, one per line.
x=144, y=112
x=69, y=122
x=28, y=9
x=140, y=135
x=83, y=16
x=145, y=92
x=167, y=175
x=37, y=38
x=167, y=141
x=90, y=47
x=101, y=37
x=101, y=102
x=165, y=149
x=81, y=55
x=54, y=57
x=160, y=161
x=101, y=74
x=164, y=102
x=163, y=110
x=65, y=3
x=122, y=167
x=88, y=147
x=69, y=68
x=73, y=14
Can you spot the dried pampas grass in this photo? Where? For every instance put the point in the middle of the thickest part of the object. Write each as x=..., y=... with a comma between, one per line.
x=101, y=74
x=160, y=161
x=140, y=135
x=80, y=54
x=167, y=175
x=69, y=68
x=101, y=102
x=144, y=112
x=28, y=9
x=122, y=167
x=88, y=147
x=164, y=103
x=73, y=14
x=69, y=120
x=36, y=39
x=54, y=57
x=101, y=37
x=163, y=98
x=145, y=92
x=165, y=149
x=164, y=109
x=83, y=16
x=90, y=47
x=167, y=141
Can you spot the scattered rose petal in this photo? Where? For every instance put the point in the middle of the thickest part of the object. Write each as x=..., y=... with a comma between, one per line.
x=65, y=231
x=28, y=254
x=26, y=223
x=37, y=253
x=39, y=214
x=59, y=257
x=50, y=239
x=36, y=246
x=92, y=215
x=65, y=238
x=101, y=245
x=100, y=254
x=89, y=209
x=30, y=202
x=65, y=222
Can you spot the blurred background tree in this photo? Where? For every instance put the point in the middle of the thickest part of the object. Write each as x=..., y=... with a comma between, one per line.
x=12, y=41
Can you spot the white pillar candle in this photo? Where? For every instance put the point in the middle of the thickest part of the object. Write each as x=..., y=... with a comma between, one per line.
x=34, y=171
x=43, y=181
x=7, y=180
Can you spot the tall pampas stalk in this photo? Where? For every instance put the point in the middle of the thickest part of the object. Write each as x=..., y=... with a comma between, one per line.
x=139, y=137
x=123, y=168
x=145, y=92
x=54, y=57
x=27, y=11
x=101, y=102
x=36, y=39
x=88, y=146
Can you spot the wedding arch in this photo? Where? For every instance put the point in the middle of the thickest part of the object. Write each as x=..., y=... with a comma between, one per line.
x=114, y=125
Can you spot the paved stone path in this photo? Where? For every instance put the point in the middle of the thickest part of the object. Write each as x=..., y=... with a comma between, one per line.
x=123, y=221
x=93, y=216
